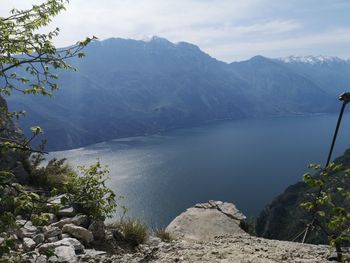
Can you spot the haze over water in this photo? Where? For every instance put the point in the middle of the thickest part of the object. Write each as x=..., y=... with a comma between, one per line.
x=246, y=162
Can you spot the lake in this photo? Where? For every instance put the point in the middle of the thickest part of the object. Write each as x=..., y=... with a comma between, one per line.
x=247, y=162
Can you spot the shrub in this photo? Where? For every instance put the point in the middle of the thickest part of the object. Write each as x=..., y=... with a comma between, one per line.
x=89, y=193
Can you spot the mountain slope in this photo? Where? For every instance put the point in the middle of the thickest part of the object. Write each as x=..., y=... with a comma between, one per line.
x=126, y=88
x=284, y=219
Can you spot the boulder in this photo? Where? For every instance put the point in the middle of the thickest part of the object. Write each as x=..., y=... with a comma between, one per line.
x=206, y=221
x=78, y=232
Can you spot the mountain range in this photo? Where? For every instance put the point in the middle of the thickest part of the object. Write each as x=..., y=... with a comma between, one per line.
x=127, y=87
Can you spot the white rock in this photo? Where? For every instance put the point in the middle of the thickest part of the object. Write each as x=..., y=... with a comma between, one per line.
x=28, y=244
x=67, y=212
x=78, y=232
x=65, y=254
x=64, y=242
x=206, y=221
x=28, y=230
x=77, y=220
x=55, y=200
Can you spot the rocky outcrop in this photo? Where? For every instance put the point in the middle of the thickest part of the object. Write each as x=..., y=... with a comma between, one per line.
x=208, y=232
x=208, y=220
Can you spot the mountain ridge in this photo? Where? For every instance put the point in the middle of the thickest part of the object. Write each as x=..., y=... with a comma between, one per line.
x=129, y=87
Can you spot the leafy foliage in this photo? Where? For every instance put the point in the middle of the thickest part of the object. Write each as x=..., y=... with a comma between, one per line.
x=89, y=193
x=329, y=203
x=29, y=62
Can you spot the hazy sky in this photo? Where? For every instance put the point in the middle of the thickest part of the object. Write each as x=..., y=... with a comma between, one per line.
x=226, y=29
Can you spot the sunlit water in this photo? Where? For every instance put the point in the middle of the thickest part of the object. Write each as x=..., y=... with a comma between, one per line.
x=247, y=162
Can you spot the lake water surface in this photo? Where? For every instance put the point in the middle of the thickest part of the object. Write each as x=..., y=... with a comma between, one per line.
x=246, y=162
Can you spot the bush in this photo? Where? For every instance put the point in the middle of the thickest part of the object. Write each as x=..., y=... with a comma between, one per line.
x=88, y=193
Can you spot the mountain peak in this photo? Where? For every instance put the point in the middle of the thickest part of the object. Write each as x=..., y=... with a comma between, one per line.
x=313, y=60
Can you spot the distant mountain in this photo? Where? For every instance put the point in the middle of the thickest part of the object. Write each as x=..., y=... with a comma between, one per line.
x=331, y=74
x=127, y=87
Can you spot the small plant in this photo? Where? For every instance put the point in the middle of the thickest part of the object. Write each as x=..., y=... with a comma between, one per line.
x=163, y=235
x=134, y=232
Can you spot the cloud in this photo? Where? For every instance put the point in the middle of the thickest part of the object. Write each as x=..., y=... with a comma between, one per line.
x=334, y=42
x=227, y=29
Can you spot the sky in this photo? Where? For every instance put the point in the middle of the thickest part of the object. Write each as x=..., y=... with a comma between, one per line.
x=229, y=30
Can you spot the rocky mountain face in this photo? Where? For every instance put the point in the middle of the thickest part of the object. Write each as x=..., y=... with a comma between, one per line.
x=203, y=238
x=283, y=219
x=11, y=161
x=126, y=88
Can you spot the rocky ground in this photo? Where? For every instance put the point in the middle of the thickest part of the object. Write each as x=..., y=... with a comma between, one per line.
x=207, y=232
x=240, y=248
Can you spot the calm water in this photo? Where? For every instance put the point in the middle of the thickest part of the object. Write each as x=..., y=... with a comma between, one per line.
x=246, y=162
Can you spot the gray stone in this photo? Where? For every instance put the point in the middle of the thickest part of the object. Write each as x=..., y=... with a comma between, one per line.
x=77, y=220
x=66, y=235
x=64, y=242
x=21, y=222
x=65, y=254
x=39, y=259
x=53, y=239
x=206, y=221
x=28, y=244
x=28, y=230
x=92, y=253
x=78, y=232
x=153, y=241
x=67, y=212
x=39, y=238
x=98, y=229
x=231, y=210
x=52, y=232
